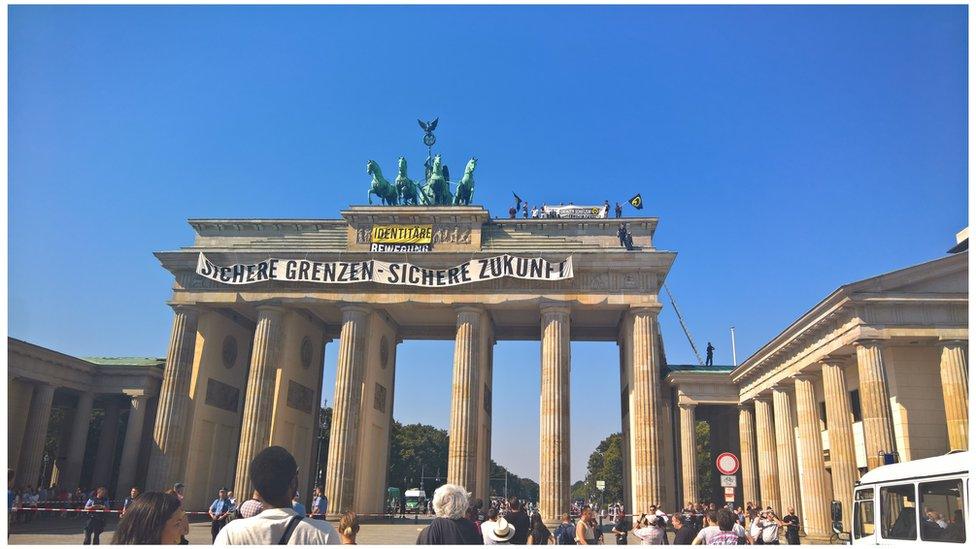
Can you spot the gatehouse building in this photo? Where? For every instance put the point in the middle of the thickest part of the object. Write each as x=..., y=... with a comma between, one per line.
x=877, y=369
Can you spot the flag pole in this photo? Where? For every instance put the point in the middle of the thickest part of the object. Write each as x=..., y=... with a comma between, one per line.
x=734, y=362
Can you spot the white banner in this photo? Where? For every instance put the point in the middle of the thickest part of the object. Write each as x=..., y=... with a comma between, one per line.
x=576, y=212
x=373, y=270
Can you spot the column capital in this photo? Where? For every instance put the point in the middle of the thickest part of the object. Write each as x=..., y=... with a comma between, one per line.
x=834, y=360
x=554, y=307
x=803, y=376
x=954, y=343
x=185, y=308
x=746, y=406
x=652, y=310
x=355, y=308
x=469, y=308
x=271, y=306
x=687, y=405
x=868, y=343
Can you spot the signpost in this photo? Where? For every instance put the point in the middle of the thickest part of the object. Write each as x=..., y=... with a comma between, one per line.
x=601, y=484
x=727, y=463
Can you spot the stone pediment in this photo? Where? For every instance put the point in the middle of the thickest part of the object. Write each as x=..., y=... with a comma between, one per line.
x=948, y=275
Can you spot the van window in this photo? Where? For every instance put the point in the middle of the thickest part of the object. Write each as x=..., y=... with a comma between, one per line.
x=942, y=517
x=898, y=517
x=863, y=519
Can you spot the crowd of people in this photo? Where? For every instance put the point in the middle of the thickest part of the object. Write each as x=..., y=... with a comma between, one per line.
x=274, y=514
x=459, y=522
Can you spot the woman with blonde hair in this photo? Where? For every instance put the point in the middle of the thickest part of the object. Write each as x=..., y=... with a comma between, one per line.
x=348, y=528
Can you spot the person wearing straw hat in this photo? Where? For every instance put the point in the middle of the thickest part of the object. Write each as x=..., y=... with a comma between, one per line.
x=502, y=532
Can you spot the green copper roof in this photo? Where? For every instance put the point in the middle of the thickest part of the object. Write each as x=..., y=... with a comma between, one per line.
x=125, y=361
x=697, y=368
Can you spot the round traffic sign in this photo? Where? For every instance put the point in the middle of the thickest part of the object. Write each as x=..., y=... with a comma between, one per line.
x=727, y=463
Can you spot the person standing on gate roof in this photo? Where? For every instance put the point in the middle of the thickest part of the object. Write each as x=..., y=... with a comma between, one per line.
x=618, y=211
x=218, y=512
x=525, y=210
x=274, y=475
x=709, y=351
x=622, y=234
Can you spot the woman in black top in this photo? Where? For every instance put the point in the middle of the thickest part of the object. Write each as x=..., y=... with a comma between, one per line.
x=538, y=533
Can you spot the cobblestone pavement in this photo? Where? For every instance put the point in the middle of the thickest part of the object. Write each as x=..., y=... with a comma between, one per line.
x=70, y=531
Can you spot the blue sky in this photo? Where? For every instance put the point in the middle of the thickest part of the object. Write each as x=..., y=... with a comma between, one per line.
x=786, y=150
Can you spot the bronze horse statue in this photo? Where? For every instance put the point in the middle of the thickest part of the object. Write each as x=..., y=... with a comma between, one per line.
x=465, y=188
x=382, y=188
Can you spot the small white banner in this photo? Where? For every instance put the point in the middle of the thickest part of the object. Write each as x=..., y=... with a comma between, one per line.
x=729, y=481
x=374, y=270
x=601, y=484
x=576, y=212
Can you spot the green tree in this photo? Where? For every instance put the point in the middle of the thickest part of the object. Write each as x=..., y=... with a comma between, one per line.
x=606, y=463
x=417, y=450
x=703, y=454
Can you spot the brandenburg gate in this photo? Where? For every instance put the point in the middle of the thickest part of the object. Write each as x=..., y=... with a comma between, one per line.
x=256, y=300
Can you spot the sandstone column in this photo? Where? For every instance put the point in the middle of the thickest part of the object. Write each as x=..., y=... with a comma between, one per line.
x=79, y=437
x=259, y=395
x=689, y=465
x=766, y=452
x=955, y=392
x=840, y=431
x=131, y=445
x=105, y=454
x=879, y=431
x=32, y=450
x=554, y=458
x=645, y=471
x=340, y=478
x=813, y=492
x=462, y=453
x=173, y=409
x=789, y=477
x=747, y=447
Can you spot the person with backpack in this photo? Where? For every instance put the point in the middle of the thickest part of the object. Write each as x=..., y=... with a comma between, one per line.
x=566, y=531
x=274, y=475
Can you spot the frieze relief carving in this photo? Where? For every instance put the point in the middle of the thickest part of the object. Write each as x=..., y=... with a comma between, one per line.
x=221, y=395
x=451, y=234
x=300, y=397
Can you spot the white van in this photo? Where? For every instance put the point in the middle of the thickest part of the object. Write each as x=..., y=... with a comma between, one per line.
x=921, y=500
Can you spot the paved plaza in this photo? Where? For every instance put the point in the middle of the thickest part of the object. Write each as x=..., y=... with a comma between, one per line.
x=70, y=531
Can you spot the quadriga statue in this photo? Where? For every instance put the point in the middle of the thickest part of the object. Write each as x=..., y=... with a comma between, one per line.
x=465, y=187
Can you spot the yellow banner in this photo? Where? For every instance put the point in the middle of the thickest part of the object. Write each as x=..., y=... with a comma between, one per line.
x=402, y=234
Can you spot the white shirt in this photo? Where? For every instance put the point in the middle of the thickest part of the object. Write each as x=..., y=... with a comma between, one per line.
x=706, y=533
x=488, y=526
x=770, y=531
x=267, y=528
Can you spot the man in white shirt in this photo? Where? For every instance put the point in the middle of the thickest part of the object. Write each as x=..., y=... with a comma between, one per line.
x=488, y=526
x=274, y=474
